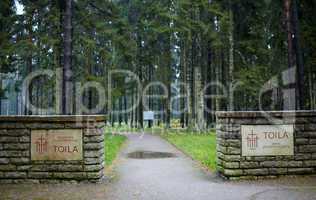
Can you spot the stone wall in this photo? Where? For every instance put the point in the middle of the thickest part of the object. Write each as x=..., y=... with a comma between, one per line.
x=231, y=163
x=15, y=150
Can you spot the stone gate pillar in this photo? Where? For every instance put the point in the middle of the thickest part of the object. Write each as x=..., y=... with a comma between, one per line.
x=44, y=149
x=266, y=144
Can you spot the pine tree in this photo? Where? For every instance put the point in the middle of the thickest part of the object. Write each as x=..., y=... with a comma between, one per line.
x=6, y=57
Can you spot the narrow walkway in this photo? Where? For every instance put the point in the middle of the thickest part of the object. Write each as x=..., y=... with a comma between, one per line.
x=182, y=178
x=165, y=179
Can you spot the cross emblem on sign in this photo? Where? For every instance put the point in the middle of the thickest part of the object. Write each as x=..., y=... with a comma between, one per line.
x=252, y=140
x=41, y=144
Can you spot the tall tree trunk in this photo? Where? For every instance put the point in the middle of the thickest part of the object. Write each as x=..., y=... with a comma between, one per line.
x=289, y=31
x=120, y=112
x=288, y=105
x=168, y=84
x=198, y=84
x=209, y=75
x=89, y=72
x=231, y=60
x=167, y=107
x=1, y=91
x=29, y=66
x=133, y=110
x=183, y=75
x=300, y=86
x=67, y=68
x=200, y=122
x=311, y=89
x=140, y=116
x=191, y=110
x=113, y=116
x=58, y=63
x=125, y=110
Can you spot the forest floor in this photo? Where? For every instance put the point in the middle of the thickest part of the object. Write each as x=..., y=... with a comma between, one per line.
x=148, y=167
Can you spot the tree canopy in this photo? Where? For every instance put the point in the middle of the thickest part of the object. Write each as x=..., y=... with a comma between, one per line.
x=210, y=55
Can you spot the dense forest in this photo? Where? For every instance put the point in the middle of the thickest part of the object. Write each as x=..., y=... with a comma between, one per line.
x=183, y=59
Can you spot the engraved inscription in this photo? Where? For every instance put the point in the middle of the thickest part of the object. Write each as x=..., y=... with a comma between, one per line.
x=63, y=144
x=267, y=140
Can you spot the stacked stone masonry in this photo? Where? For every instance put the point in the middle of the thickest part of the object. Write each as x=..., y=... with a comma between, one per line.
x=15, y=150
x=232, y=165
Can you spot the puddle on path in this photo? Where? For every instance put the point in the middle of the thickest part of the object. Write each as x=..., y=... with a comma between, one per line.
x=150, y=155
